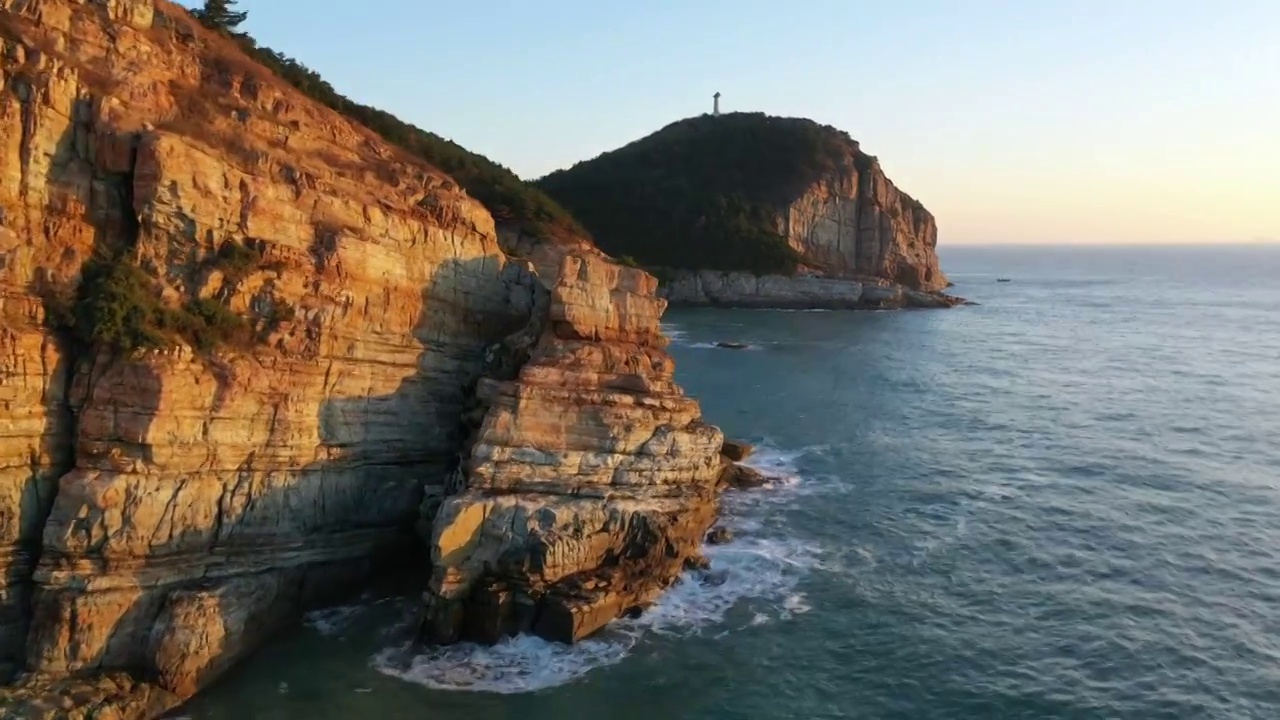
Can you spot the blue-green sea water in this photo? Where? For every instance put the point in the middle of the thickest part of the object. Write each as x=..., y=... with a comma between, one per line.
x=1061, y=503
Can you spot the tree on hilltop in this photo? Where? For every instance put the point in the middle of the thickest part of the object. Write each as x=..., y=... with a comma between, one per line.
x=220, y=15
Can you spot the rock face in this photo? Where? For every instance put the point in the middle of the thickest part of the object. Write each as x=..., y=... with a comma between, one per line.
x=161, y=513
x=856, y=222
x=591, y=479
x=743, y=290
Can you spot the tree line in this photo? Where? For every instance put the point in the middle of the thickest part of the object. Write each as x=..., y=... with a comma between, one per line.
x=510, y=200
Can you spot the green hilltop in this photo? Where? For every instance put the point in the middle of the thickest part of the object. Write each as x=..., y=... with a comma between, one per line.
x=704, y=192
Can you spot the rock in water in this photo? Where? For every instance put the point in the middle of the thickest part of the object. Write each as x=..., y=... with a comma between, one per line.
x=697, y=563
x=583, y=497
x=742, y=477
x=719, y=536
x=736, y=450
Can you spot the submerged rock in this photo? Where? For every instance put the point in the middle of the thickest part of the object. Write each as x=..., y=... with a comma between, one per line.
x=697, y=563
x=713, y=578
x=719, y=536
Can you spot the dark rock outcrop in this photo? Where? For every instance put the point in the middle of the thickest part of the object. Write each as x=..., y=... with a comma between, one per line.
x=736, y=450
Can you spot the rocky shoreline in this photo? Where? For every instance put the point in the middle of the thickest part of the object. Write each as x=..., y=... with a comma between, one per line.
x=395, y=379
x=711, y=288
x=403, y=385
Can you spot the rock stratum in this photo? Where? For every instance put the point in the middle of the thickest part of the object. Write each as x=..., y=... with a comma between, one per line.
x=590, y=480
x=164, y=511
x=750, y=193
x=743, y=290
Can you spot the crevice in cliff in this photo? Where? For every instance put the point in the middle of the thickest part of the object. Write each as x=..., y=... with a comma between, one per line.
x=24, y=91
x=502, y=362
x=79, y=363
x=861, y=192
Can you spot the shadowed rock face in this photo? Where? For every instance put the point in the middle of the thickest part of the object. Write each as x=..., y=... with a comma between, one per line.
x=591, y=478
x=162, y=513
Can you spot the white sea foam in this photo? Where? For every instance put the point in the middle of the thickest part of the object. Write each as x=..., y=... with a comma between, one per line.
x=795, y=604
x=333, y=621
x=760, y=569
x=778, y=463
x=515, y=665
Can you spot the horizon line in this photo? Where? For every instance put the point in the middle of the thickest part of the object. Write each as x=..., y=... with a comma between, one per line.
x=1123, y=243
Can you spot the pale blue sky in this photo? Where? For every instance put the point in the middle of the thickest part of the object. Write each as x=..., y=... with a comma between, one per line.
x=1013, y=121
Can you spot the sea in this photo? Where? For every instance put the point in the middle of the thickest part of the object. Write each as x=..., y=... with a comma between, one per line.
x=1061, y=502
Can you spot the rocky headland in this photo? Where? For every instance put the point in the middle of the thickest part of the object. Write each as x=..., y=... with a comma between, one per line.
x=259, y=343
x=748, y=210
x=252, y=353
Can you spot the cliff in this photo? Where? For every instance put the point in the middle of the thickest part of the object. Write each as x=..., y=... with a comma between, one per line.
x=753, y=193
x=239, y=334
x=590, y=480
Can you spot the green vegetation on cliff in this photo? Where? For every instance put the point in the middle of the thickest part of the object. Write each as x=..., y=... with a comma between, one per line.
x=117, y=306
x=703, y=193
x=511, y=201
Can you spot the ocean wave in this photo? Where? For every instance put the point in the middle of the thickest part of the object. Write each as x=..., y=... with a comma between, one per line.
x=764, y=571
x=760, y=567
x=713, y=346
x=516, y=665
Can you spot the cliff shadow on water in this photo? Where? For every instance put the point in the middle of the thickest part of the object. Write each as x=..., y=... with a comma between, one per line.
x=173, y=576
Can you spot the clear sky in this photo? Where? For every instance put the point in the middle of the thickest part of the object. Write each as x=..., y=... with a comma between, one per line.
x=1119, y=121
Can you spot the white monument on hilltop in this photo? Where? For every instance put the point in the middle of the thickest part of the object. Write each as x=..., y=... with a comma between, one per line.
x=715, y=107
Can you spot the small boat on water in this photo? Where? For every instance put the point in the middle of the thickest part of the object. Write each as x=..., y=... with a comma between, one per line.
x=1003, y=280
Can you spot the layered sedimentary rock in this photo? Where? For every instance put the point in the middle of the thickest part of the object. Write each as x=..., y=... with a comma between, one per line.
x=744, y=290
x=855, y=222
x=162, y=512
x=590, y=480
